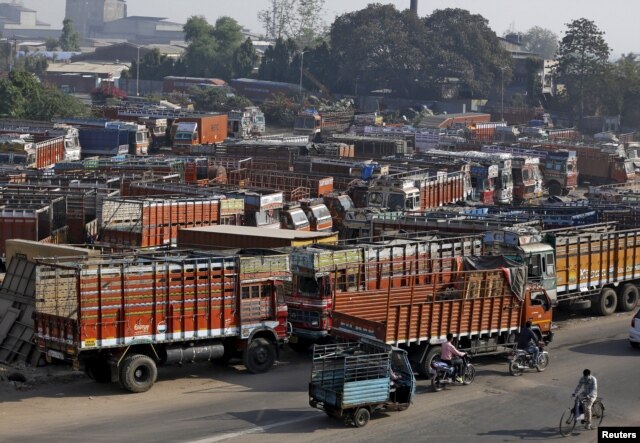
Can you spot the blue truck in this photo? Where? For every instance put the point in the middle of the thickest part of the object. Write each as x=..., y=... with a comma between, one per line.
x=103, y=142
x=352, y=380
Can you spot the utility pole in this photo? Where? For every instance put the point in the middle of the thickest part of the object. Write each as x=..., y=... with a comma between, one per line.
x=301, y=67
x=138, y=73
x=502, y=93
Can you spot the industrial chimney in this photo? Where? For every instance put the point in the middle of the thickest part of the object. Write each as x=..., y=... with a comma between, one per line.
x=414, y=6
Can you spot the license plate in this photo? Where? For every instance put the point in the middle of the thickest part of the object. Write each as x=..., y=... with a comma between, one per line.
x=55, y=354
x=293, y=339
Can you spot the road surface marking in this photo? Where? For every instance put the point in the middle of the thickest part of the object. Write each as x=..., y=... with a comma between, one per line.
x=253, y=430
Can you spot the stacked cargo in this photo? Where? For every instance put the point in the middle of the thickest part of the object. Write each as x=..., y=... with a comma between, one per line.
x=153, y=222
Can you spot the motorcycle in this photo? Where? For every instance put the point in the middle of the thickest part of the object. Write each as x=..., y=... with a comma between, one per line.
x=520, y=360
x=442, y=374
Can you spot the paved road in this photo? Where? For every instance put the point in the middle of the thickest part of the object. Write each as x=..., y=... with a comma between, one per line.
x=206, y=404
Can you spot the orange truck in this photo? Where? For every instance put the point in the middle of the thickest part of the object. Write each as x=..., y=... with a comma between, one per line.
x=321, y=272
x=484, y=307
x=119, y=317
x=198, y=130
x=593, y=266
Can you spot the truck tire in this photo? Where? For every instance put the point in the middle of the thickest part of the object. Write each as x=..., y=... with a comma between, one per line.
x=259, y=356
x=628, y=297
x=425, y=366
x=138, y=373
x=361, y=417
x=605, y=303
x=98, y=369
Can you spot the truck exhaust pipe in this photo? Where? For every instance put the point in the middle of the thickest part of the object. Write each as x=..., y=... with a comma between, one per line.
x=194, y=354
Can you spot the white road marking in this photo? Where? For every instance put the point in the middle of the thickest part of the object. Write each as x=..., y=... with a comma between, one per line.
x=253, y=430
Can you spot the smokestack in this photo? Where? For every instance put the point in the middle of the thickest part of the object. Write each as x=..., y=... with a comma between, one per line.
x=414, y=6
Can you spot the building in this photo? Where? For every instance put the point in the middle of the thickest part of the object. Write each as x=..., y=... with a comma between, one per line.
x=83, y=77
x=90, y=16
x=16, y=21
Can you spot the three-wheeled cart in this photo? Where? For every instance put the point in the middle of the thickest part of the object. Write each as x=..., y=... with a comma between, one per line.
x=353, y=380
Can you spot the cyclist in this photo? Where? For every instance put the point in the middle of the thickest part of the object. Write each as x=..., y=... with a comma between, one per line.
x=589, y=386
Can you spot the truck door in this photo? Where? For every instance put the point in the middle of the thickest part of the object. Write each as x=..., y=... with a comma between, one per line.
x=256, y=303
x=538, y=310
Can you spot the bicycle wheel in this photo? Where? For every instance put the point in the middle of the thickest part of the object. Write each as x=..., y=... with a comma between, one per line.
x=597, y=413
x=567, y=422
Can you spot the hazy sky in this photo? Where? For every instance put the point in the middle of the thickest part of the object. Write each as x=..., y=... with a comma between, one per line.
x=617, y=18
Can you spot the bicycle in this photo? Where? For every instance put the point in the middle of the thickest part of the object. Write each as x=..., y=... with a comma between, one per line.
x=569, y=420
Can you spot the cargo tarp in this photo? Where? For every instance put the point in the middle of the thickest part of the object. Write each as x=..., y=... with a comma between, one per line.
x=515, y=273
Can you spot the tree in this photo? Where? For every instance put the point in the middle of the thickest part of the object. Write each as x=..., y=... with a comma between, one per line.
x=69, y=40
x=380, y=48
x=107, y=91
x=52, y=44
x=582, y=57
x=155, y=66
x=465, y=48
x=541, y=41
x=277, y=62
x=35, y=64
x=244, y=59
x=217, y=100
x=533, y=66
x=23, y=96
x=299, y=20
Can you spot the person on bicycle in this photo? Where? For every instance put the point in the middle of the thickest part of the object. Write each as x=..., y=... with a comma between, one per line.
x=451, y=356
x=528, y=341
x=589, y=386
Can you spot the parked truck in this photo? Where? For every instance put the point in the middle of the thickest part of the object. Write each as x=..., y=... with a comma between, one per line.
x=246, y=123
x=319, y=124
x=198, y=130
x=103, y=142
x=317, y=213
x=559, y=167
x=592, y=266
x=484, y=307
x=119, y=317
x=321, y=272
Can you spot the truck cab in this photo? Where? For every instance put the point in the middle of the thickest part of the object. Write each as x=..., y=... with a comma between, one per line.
x=525, y=245
x=186, y=134
x=318, y=215
x=338, y=206
x=483, y=179
x=394, y=195
x=527, y=179
x=560, y=170
x=294, y=218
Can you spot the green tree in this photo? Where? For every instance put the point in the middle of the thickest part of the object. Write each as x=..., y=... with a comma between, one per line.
x=228, y=36
x=155, y=66
x=244, y=59
x=583, y=56
x=23, y=96
x=35, y=64
x=69, y=40
x=541, y=41
x=277, y=62
x=379, y=47
x=217, y=100
x=464, y=47
x=52, y=44
x=533, y=67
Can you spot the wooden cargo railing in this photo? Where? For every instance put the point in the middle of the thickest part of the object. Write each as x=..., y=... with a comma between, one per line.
x=474, y=302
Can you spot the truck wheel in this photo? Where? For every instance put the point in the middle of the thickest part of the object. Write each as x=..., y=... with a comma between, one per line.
x=138, y=373
x=605, y=303
x=628, y=297
x=361, y=417
x=259, y=356
x=425, y=366
x=98, y=369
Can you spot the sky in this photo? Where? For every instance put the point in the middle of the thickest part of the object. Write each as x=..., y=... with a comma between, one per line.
x=617, y=18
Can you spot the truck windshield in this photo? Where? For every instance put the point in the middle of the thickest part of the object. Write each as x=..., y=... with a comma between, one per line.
x=310, y=287
x=321, y=212
x=396, y=202
x=346, y=203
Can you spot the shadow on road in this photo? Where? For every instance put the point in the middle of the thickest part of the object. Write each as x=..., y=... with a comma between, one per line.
x=617, y=348
x=526, y=434
x=290, y=421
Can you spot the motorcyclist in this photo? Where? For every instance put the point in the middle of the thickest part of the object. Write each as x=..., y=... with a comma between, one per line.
x=528, y=341
x=451, y=356
x=589, y=386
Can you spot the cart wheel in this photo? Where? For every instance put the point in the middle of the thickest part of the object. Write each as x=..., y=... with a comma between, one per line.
x=361, y=417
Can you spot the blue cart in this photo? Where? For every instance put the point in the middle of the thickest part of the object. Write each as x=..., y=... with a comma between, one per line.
x=352, y=380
